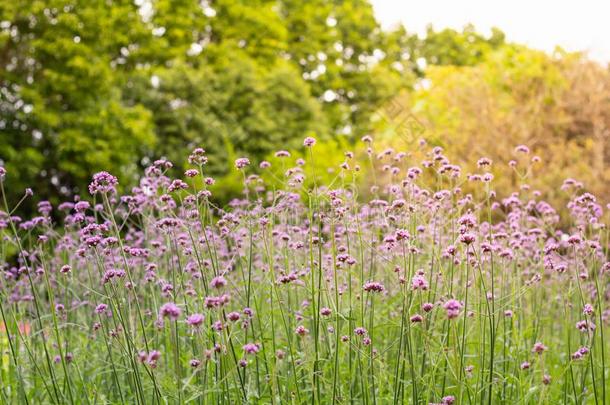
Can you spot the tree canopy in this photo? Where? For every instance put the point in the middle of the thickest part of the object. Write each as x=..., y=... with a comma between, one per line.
x=87, y=85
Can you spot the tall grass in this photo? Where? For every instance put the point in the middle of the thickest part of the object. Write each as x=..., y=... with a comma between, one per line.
x=307, y=292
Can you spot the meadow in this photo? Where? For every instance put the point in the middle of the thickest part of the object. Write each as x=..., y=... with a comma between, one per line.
x=403, y=288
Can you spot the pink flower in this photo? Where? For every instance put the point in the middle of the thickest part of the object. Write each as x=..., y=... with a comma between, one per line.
x=233, y=316
x=218, y=282
x=419, y=282
x=103, y=182
x=301, y=330
x=522, y=149
x=170, y=310
x=325, y=311
x=241, y=163
x=373, y=286
x=585, y=326
x=453, y=308
x=588, y=309
x=467, y=238
x=539, y=348
x=309, y=142
x=195, y=320
x=251, y=348
x=448, y=400
x=417, y=318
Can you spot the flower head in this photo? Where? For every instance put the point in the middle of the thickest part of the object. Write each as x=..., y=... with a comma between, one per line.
x=309, y=142
x=170, y=310
x=373, y=286
x=251, y=348
x=539, y=348
x=242, y=162
x=103, y=182
x=453, y=308
x=195, y=320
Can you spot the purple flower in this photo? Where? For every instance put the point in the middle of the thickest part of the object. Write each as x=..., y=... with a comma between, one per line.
x=218, y=282
x=309, y=142
x=233, y=316
x=538, y=348
x=153, y=356
x=101, y=308
x=251, y=348
x=467, y=238
x=241, y=163
x=103, y=182
x=448, y=400
x=195, y=320
x=588, y=309
x=419, y=282
x=585, y=326
x=301, y=330
x=197, y=157
x=453, y=308
x=417, y=318
x=373, y=286
x=170, y=310
x=522, y=149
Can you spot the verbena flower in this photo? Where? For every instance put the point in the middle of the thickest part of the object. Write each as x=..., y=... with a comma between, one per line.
x=309, y=142
x=453, y=308
x=170, y=310
x=241, y=163
x=103, y=182
x=195, y=320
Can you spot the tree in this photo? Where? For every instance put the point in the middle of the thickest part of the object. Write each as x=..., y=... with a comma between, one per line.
x=61, y=108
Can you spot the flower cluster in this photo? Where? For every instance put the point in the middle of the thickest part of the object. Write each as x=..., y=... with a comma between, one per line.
x=392, y=283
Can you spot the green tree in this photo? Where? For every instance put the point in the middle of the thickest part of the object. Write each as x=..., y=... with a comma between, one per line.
x=61, y=108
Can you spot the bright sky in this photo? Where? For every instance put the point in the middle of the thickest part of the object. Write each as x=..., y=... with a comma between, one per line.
x=582, y=25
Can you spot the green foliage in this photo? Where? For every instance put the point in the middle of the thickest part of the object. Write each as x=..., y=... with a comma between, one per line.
x=88, y=85
x=557, y=105
x=61, y=108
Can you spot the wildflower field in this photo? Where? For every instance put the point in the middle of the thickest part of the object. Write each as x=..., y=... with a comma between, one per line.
x=401, y=287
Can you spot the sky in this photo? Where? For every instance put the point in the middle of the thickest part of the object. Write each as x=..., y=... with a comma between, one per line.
x=542, y=24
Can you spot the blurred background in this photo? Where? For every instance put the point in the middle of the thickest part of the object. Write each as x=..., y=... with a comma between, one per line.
x=89, y=85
